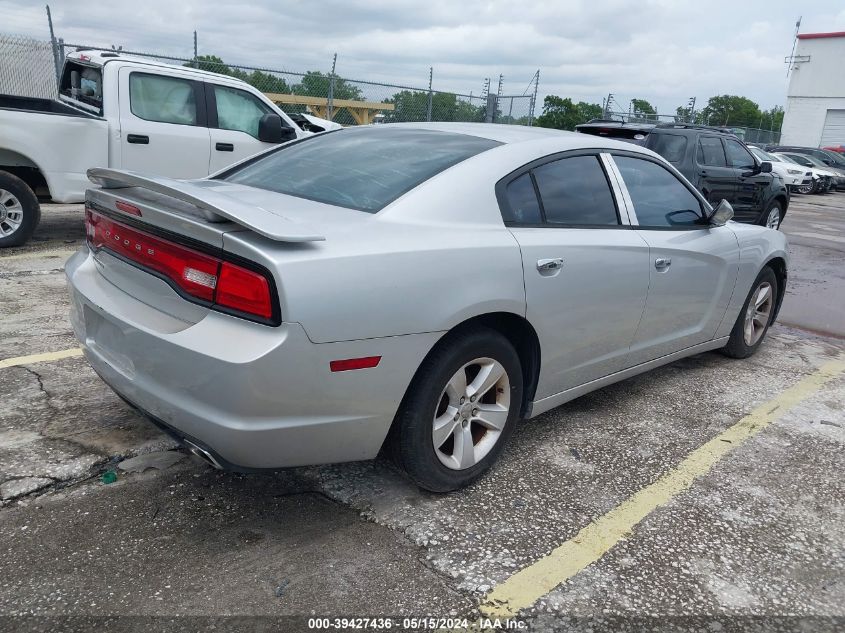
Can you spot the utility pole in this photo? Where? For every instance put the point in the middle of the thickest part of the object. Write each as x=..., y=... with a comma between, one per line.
x=57, y=55
x=196, y=62
x=691, y=107
x=791, y=58
x=330, y=99
x=534, y=97
x=430, y=78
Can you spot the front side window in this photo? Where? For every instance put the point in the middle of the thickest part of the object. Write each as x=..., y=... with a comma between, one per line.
x=363, y=168
x=575, y=191
x=238, y=110
x=738, y=156
x=710, y=152
x=162, y=99
x=660, y=199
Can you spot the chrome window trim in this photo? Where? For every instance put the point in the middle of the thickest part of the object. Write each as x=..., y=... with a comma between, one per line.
x=620, y=190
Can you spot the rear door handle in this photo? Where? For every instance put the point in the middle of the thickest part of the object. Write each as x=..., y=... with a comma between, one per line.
x=138, y=139
x=550, y=265
x=662, y=263
x=224, y=147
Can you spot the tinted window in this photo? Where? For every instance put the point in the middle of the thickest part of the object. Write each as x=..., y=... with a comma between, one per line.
x=522, y=201
x=710, y=152
x=660, y=199
x=238, y=110
x=738, y=156
x=162, y=99
x=575, y=191
x=672, y=147
x=364, y=169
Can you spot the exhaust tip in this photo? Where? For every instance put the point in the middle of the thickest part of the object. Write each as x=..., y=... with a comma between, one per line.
x=202, y=454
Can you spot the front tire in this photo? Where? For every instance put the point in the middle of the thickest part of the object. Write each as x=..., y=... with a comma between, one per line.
x=459, y=411
x=20, y=212
x=756, y=316
x=773, y=217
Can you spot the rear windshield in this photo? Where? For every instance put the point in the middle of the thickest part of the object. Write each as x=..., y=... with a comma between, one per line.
x=634, y=135
x=84, y=84
x=364, y=169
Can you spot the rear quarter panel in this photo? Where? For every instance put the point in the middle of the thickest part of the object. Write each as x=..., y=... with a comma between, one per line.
x=757, y=246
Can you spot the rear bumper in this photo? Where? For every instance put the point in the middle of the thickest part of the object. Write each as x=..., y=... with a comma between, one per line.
x=254, y=396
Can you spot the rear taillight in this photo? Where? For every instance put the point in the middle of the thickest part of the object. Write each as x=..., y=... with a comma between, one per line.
x=197, y=276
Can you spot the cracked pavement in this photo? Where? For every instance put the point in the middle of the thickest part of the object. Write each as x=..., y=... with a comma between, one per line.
x=757, y=544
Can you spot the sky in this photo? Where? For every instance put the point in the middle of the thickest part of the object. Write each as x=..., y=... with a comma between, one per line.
x=663, y=51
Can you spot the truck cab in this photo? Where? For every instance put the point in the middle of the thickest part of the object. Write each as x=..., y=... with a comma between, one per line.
x=125, y=112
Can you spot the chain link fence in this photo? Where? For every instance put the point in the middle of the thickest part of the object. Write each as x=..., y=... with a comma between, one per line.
x=27, y=67
x=353, y=101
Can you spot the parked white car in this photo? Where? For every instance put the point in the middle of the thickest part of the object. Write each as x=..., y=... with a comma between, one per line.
x=822, y=178
x=132, y=113
x=793, y=175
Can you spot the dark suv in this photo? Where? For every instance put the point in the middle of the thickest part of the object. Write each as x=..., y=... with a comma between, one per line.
x=714, y=160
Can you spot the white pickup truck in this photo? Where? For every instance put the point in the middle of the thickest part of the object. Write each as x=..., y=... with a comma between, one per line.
x=129, y=113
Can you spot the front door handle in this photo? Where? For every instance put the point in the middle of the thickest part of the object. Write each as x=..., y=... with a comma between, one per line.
x=550, y=265
x=662, y=263
x=224, y=147
x=138, y=139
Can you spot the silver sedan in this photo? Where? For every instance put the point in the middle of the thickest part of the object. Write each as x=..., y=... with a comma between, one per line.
x=417, y=287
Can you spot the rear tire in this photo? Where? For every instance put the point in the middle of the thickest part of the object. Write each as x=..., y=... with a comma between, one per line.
x=754, y=320
x=20, y=212
x=459, y=411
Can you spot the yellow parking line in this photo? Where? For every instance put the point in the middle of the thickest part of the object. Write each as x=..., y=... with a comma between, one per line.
x=40, y=358
x=63, y=253
x=531, y=583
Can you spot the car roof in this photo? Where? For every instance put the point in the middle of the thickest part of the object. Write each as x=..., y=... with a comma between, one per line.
x=100, y=58
x=511, y=134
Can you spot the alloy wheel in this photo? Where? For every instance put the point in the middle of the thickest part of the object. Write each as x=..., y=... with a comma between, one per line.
x=773, y=221
x=11, y=213
x=471, y=413
x=758, y=313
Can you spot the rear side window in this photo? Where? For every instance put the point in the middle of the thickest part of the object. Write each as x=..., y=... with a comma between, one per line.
x=575, y=191
x=710, y=152
x=162, y=99
x=672, y=147
x=660, y=199
x=738, y=156
x=523, y=206
x=364, y=169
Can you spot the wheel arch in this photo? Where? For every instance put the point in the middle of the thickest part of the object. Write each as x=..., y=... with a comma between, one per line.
x=778, y=266
x=519, y=332
x=25, y=168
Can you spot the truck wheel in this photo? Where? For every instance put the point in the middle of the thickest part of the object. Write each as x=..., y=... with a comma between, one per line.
x=19, y=211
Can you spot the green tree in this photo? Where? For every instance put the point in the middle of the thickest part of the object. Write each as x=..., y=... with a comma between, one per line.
x=316, y=84
x=412, y=105
x=562, y=114
x=211, y=63
x=731, y=110
x=642, y=108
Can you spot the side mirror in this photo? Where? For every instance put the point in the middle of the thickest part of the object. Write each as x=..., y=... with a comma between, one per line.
x=766, y=167
x=271, y=129
x=721, y=214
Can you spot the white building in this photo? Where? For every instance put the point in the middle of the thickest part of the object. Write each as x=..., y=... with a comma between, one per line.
x=815, y=100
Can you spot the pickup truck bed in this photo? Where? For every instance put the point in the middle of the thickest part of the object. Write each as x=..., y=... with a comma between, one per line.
x=40, y=106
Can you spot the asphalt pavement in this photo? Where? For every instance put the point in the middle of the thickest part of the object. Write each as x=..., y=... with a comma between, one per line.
x=705, y=495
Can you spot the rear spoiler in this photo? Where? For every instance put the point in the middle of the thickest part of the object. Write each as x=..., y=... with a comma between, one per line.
x=215, y=207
